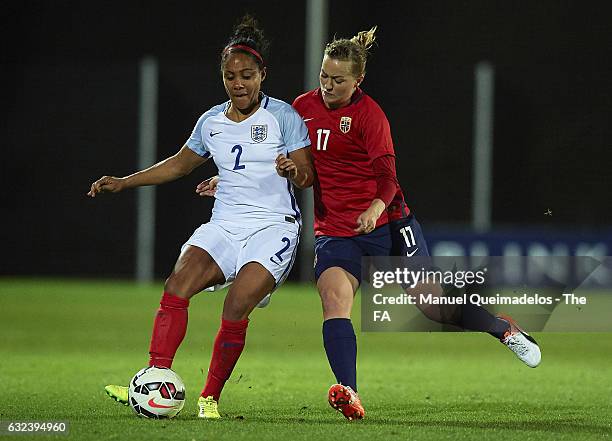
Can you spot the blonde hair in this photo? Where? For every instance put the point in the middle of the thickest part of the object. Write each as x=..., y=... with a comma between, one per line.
x=355, y=50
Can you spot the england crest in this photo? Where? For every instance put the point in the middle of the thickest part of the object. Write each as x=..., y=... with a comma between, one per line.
x=345, y=124
x=259, y=132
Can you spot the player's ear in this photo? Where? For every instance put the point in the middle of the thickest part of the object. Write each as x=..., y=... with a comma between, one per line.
x=263, y=74
x=359, y=80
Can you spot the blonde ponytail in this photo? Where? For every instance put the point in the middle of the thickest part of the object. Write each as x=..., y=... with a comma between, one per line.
x=355, y=50
x=365, y=39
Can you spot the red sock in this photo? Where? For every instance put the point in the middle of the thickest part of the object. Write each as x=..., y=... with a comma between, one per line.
x=168, y=330
x=227, y=349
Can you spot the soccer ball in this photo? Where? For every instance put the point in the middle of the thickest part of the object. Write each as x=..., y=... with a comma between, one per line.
x=156, y=393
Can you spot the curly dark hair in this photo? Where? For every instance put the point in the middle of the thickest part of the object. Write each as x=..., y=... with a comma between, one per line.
x=247, y=33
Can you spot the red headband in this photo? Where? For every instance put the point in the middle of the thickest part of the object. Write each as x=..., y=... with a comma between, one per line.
x=250, y=50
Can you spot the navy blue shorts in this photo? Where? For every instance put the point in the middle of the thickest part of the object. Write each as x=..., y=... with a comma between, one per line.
x=402, y=237
x=407, y=238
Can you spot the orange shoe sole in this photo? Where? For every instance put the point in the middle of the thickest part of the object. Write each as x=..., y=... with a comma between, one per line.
x=341, y=399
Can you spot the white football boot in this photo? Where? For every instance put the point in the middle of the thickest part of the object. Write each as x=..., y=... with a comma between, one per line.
x=521, y=343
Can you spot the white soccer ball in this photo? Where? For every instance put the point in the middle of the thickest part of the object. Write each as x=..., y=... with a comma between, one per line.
x=156, y=393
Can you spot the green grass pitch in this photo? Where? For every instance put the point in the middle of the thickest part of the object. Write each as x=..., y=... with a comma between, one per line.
x=61, y=341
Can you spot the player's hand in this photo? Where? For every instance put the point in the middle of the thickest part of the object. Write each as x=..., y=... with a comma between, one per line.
x=366, y=222
x=285, y=167
x=106, y=184
x=208, y=187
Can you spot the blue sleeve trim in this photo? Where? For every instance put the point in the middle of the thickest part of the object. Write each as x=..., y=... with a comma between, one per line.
x=195, y=148
x=299, y=145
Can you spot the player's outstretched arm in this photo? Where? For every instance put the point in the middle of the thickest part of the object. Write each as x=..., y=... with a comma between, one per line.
x=298, y=167
x=170, y=169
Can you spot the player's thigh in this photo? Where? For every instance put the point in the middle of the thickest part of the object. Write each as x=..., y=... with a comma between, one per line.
x=263, y=264
x=341, y=252
x=194, y=271
x=222, y=245
x=407, y=238
x=253, y=282
x=410, y=245
x=207, y=259
x=338, y=272
x=337, y=288
x=274, y=247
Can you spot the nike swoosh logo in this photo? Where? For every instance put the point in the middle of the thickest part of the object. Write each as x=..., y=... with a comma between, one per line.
x=308, y=119
x=159, y=406
x=214, y=133
x=412, y=254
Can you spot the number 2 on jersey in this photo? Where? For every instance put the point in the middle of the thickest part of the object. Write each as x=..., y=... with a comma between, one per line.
x=237, y=165
x=325, y=133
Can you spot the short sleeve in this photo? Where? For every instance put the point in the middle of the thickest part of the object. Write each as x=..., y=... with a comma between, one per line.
x=195, y=141
x=376, y=132
x=293, y=129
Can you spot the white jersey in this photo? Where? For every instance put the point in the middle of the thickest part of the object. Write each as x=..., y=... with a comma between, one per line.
x=245, y=152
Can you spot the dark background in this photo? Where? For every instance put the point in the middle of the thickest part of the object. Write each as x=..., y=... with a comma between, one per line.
x=70, y=97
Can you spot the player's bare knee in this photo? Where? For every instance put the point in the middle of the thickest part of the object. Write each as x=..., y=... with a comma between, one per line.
x=186, y=284
x=335, y=302
x=178, y=286
x=330, y=296
x=235, y=309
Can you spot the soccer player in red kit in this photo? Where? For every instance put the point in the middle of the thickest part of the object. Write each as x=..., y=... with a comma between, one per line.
x=360, y=211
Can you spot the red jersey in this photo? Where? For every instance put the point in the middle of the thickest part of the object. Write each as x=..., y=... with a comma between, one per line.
x=344, y=142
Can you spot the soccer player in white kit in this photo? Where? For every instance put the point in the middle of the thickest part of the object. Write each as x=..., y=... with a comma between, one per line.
x=260, y=146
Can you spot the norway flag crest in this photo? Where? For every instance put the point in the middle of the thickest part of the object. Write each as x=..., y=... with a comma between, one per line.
x=259, y=132
x=345, y=124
